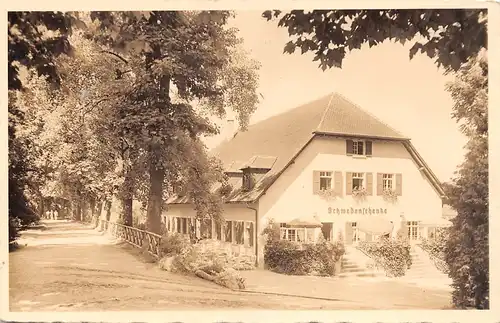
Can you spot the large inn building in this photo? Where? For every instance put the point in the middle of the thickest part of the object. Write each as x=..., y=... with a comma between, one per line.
x=325, y=168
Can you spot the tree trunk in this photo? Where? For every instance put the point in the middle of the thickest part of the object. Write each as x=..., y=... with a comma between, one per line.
x=126, y=199
x=108, y=210
x=99, y=209
x=78, y=211
x=41, y=207
x=92, y=210
x=156, y=169
x=155, y=200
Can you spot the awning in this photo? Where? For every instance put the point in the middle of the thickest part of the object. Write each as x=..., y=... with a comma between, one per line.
x=438, y=222
x=375, y=225
x=305, y=222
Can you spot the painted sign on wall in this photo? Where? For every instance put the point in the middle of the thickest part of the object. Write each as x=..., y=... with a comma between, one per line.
x=352, y=210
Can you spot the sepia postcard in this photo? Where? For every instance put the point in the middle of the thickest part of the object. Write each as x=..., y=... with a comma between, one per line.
x=230, y=161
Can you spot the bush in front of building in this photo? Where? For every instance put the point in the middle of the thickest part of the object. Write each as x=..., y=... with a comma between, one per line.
x=436, y=248
x=207, y=259
x=393, y=255
x=173, y=244
x=292, y=258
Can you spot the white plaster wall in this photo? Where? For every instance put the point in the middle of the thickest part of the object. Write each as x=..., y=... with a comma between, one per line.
x=292, y=195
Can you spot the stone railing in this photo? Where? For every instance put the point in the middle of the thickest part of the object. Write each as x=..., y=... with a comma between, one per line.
x=136, y=237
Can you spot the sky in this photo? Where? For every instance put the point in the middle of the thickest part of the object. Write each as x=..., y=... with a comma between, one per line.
x=409, y=96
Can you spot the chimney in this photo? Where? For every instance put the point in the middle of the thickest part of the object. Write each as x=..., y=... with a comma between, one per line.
x=230, y=129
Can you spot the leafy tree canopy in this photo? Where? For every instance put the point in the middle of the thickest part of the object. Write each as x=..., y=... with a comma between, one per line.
x=450, y=36
x=132, y=97
x=467, y=251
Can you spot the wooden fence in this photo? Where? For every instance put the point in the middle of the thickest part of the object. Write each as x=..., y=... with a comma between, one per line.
x=136, y=237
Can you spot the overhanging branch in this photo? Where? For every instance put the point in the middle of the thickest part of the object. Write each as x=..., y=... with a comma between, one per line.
x=116, y=55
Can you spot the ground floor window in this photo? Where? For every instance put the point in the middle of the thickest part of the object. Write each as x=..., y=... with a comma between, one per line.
x=218, y=230
x=239, y=232
x=181, y=225
x=228, y=231
x=413, y=230
x=296, y=234
x=290, y=234
x=206, y=228
x=250, y=233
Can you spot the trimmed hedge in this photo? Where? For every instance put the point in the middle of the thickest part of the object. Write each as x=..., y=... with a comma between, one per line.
x=393, y=255
x=294, y=258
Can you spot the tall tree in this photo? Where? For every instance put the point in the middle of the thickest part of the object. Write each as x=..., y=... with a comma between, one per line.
x=467, y=251
x=172, y=60
x=74, y=141
x=34, y=40
x=172, y=52
x=450, y=36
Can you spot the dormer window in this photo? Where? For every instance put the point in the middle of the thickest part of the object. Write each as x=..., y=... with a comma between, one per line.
x=248, y=180
x=358, y=147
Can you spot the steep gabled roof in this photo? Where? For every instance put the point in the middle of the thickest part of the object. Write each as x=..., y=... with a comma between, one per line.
x=277, y=141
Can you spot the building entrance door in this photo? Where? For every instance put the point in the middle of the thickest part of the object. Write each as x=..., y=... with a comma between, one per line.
x=352, y=234
x=327, y=231
x=413, y=231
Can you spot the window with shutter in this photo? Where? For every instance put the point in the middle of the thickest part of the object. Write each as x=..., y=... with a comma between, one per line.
x=359, y=147
x=325, y=181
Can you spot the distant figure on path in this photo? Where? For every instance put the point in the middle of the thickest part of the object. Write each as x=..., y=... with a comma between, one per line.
x=56, y=214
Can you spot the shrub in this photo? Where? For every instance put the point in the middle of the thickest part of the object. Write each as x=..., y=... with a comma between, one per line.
x=293, y=258
x=209, y=265
x=436, y=246
x=393, y=255
x=173, y=244
x=436, y=249
x=272, y=231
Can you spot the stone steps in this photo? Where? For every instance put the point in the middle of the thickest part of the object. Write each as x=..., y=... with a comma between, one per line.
x=351, y=268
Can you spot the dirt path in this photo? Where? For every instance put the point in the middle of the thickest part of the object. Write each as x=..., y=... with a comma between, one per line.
x=71, y=267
